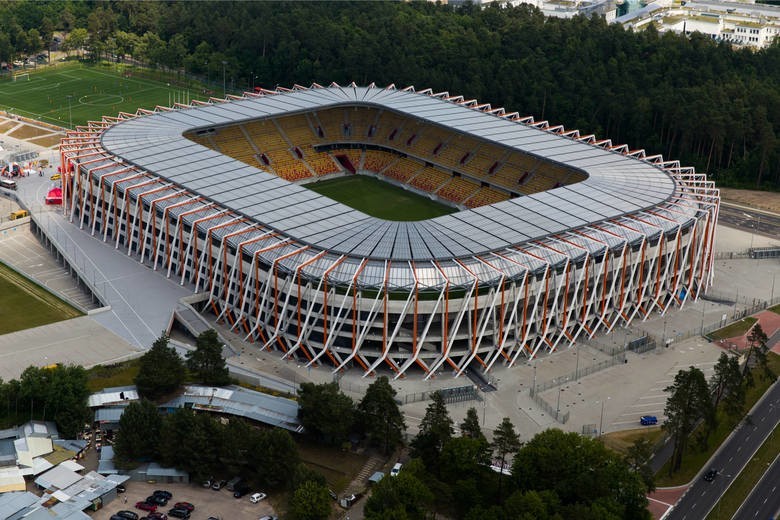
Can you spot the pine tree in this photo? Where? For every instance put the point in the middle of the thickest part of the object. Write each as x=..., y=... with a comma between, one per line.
x=379, y=413
x=470, y=425
x=505, y=442
x=435, y=430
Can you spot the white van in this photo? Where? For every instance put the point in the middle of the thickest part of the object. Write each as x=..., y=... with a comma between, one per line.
x=396, y=469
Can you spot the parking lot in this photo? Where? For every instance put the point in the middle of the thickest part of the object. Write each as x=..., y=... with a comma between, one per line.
x=207, y=502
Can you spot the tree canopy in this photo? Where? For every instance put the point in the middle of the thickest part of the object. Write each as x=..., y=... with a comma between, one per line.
x=689, y=97
x=161, y=370
x=688, y=403
x=435, y=431
x=206, y=361
x=325, y=412
x=380, y=416
x=139, y=432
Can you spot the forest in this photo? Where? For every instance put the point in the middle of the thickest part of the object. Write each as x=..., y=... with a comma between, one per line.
x=690, y=98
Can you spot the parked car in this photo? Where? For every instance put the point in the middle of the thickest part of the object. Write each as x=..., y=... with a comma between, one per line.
x=184, y=505
x=269, y=517
x=129, y=515
x=117, y=517
x=179, y=513
x=257, y=497
x=121, y=488
x=240, y=490
x=163, y=493
x=711, y=474
x=155, y=516
x=157, y=500
x=396, y=469
x=146, y=506
x=218, y=484
x=648, y=420
x=208, y=483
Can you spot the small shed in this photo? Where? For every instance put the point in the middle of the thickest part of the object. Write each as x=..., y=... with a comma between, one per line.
x=376, y=477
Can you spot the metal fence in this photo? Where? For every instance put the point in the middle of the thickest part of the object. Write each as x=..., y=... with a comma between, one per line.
x=764, y=252
x=456, y=394
x=555, y=413
x=619, y=358
x=641, y=345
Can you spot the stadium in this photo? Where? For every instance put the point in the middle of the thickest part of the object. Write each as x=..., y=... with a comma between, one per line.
x=549, y=235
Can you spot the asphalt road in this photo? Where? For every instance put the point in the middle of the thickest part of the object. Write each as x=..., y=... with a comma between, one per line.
x=759, y=222
x=764, y=501
x=738, y=449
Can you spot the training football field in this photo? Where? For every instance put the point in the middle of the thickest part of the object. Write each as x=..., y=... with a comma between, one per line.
x=74, y=93
x=380, y=199
x=24, y=304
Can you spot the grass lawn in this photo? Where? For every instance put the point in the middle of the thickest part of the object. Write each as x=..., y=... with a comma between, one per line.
x=80, y=92
x=744, y=482
x=108, y=376
x=735, y=329
x=694, y=459
x=380, y=199
x=337, y=466
x=622, y=440
x=24, y=304
x=775, y=308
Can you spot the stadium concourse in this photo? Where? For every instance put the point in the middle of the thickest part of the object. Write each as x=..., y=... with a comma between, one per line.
x=559, y=235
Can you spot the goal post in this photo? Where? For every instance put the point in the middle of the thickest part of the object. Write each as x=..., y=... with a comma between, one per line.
x=21, y=76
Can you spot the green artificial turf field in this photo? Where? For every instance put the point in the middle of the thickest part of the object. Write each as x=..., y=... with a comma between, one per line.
x=380, y=199
x=24, y=305
x=94, y=90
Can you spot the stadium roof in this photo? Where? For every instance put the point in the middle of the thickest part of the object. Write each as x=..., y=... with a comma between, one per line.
x=617, y=184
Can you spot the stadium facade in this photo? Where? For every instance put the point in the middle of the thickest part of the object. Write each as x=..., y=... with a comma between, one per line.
x=559, y=235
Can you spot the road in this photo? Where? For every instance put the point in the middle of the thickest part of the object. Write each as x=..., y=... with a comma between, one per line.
x=764, y=500
x=738, y=449
x=752, y=221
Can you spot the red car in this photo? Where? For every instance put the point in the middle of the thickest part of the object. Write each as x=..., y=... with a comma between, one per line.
x=184, y=505
x=146, y=506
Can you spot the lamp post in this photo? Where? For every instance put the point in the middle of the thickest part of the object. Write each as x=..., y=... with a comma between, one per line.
x=577, y=366
x=224, y=90
x=601, y=421
x=664, y=338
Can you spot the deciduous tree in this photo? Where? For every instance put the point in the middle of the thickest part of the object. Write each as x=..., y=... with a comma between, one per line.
x=401, y=497
x=310, y=501
x=139, y=432
x=325, y=412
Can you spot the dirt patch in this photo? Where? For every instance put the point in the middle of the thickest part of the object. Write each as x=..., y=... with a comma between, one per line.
x=765, y=200
x=7, y=125
x=48, y=141
x=27, y=131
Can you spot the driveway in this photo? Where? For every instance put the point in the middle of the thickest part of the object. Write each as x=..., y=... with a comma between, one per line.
x=207, y=502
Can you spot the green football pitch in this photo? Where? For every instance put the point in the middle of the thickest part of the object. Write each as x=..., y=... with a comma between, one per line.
x=74, y=93
x=24, y=304
x=380, y=199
